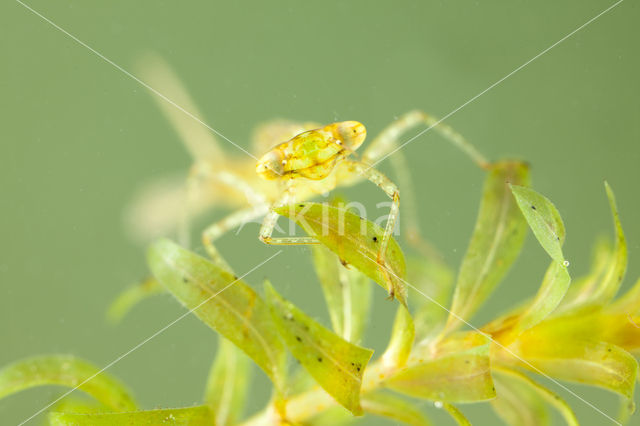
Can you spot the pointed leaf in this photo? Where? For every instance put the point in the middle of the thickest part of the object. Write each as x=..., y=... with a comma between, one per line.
x=554, y=286
x=65, y=370
x=496, y=242
x=543, y=218
x=390, y=406
x=224, y=303
x=618, y=263
x=401, y=341
x=337, y=365
x=228, y=383
x=584, y=361
x=520, y=400
x=457, y=372
x=354, y=239
x=131, y=297
x=191, y=416
x=347, y=292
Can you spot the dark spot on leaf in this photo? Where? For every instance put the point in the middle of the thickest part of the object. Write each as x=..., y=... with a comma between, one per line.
x=358, y=368
x=300, y=205
x=235, y=277
x=352, y=364
x=298, y=339
x=533, y=207
x=319, y=359
x=185, y=279
x=608, y=349
x=375, y=239
x=466, y=361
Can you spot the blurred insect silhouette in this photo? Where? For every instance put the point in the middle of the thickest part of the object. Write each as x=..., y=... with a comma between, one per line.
x=302, y=160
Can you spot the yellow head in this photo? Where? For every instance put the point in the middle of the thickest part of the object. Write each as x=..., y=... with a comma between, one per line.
x=270, y=165
x=351, y=133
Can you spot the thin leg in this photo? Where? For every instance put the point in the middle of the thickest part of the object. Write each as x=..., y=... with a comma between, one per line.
x=202, y=173
x=391, y=190
x=387, y=141
x=411, y=224
x=214, y=231
x=180, y=110
x=388, y=138
x=270, y=220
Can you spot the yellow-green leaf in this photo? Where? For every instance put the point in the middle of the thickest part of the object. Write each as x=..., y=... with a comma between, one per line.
x=336, y=364
x=131, y=297
x=401, y=342
x=347, y=292
x=456, y=414
x=618, y=263
x=582, y=289
x=227, y=384
x=355, y=240
x=388, y=405
x=543, y=218
x=457, y=371
x=579, y=359
x=65, y=370
x=223, y=302
x=554, y=286
x=431, y=287
x=630, y=302
x=521, y=401
x=192, y=416
x=496, y=242
x=80, y=405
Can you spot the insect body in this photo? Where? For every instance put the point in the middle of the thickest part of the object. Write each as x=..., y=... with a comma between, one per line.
x=313, y=160
x=314, y=155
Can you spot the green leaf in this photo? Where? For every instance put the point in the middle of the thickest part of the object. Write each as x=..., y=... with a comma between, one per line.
x=131, y=297
x=456, y=414
x=387, y=405
x=457, y=371
x=554, y=286
x=401, y=342
x=336, y=364
x=80, y=405
x=431, y=284
x=618, y=263
x=347, y=292
x=579, y=359
x=223, y=302
x=355, y=240
x=228, y=382
x=582, y=289
x=543, y=218
x=496, y=242
x=521, y=401
x=192, y=416
x=67, y=371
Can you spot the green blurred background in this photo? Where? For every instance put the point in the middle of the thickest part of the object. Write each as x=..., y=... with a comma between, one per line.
x=79, y=137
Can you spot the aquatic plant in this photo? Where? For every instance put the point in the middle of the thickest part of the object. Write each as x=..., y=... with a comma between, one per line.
x=577, y=333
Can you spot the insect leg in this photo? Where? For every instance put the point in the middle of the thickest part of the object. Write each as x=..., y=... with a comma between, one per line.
x=270, y=220
x=392, y=191
x=387, y=140
x=214, y=231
